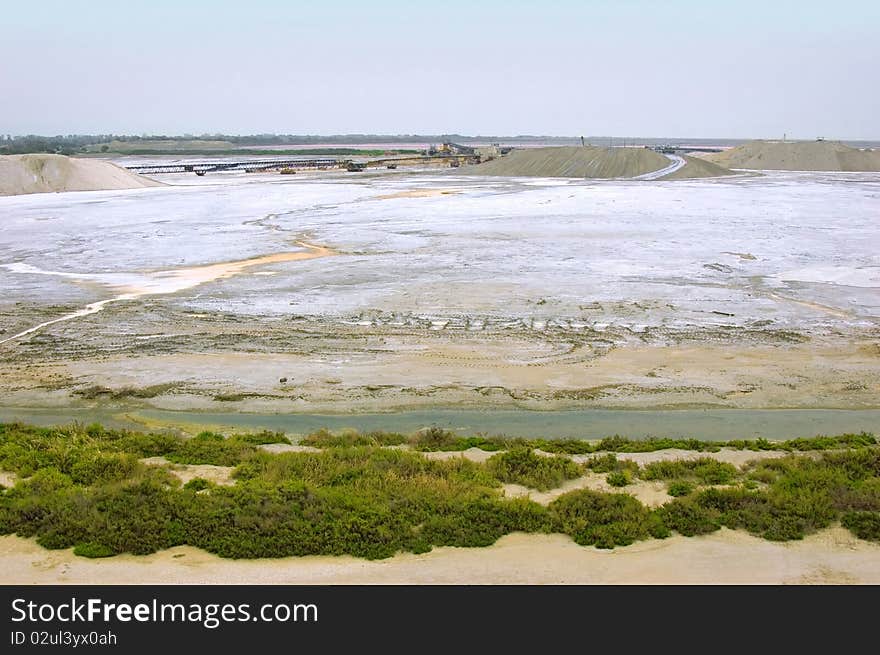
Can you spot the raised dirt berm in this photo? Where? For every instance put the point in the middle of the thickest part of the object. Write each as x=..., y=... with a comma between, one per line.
x=43, y=173
x=797, y=156
x=583, y=162
x=695, y=168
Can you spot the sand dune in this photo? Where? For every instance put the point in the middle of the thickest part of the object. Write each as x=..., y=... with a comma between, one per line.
x=695, y=168
x=20, y=174
x=589, y=162
x=832, y=556
x=797, y=156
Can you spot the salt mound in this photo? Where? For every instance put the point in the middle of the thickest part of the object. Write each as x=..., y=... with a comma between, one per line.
x=42, y=173
x=797, y=156
x=590, y=161
x=695, y=168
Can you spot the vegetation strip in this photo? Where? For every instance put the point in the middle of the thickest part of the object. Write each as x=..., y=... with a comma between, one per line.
x=88, y=488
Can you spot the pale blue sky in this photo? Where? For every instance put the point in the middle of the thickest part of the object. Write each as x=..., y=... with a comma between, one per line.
x=686, y=68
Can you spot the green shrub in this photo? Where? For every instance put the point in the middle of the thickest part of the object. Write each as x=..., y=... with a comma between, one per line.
x=435, y=439
x=261, y=438
x=603, y=520
x=687, y=517
x=153, y=444
x=864, y=525
x=211, y=448
x=197, y=484
x=620, y=444
x=679, y=488
x=98, y=468
x=619, y=478
x=83, y=487
x=703, y=470
x=348, y=438
x=561, y=446
x=603, y=463
x=523, y=466
x=92, y=550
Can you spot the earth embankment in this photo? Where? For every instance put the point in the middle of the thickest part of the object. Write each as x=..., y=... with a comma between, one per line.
x=45, y=173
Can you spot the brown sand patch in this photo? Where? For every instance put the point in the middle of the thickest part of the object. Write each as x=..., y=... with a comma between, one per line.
x=649, y=492
x=185, y=472
x=797, y=156
x=832, y=311
x=582, y=162
x=473, y=454
x=287, y=448
x=418, y=193
x=420, y=371
x=723, y=557
x=697, y=168
x=172, y=281
x=185, y=278
x=44, y=173
x=728, y=455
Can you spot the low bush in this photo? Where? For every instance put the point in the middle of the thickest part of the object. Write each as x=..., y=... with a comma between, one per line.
x=619, y=478
x=435, y=439
x=603, y=520
x=92, y=550
x=211, y=448
x=864, y=525
x=703, y=470
x=679, y=488
x=95, y=467
x=620, y=444
x=603, y=463
x=689, y=518
x=523, y=466
x=348, y=438
x=197, y=484
x=83, y=487
x=261, y=438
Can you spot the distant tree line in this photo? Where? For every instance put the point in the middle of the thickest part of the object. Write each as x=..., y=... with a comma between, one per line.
x=71, y=144
x=62, y=144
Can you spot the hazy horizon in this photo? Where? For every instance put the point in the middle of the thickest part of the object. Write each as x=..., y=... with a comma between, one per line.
x=682, y=69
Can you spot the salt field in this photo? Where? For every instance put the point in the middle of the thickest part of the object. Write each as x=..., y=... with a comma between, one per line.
x=799, y=250
x=388, y=291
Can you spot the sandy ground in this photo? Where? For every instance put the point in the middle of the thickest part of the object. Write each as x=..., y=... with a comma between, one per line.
x=797, y=156
x=588, y=162
x=593, y=295
x=833, y=556
x=22, y=174
x=186, y=472
x=592, y=162
x=738, y=458
x=175, y=280
x=649, y=492
x=417, y=193
x=697, y=168
x=378, y=370
x=725, y=557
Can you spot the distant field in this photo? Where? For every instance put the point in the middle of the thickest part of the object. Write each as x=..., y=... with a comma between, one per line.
x=199, y=147
x=173, y=145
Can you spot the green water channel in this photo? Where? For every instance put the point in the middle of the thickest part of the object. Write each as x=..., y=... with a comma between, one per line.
x=706, y=424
